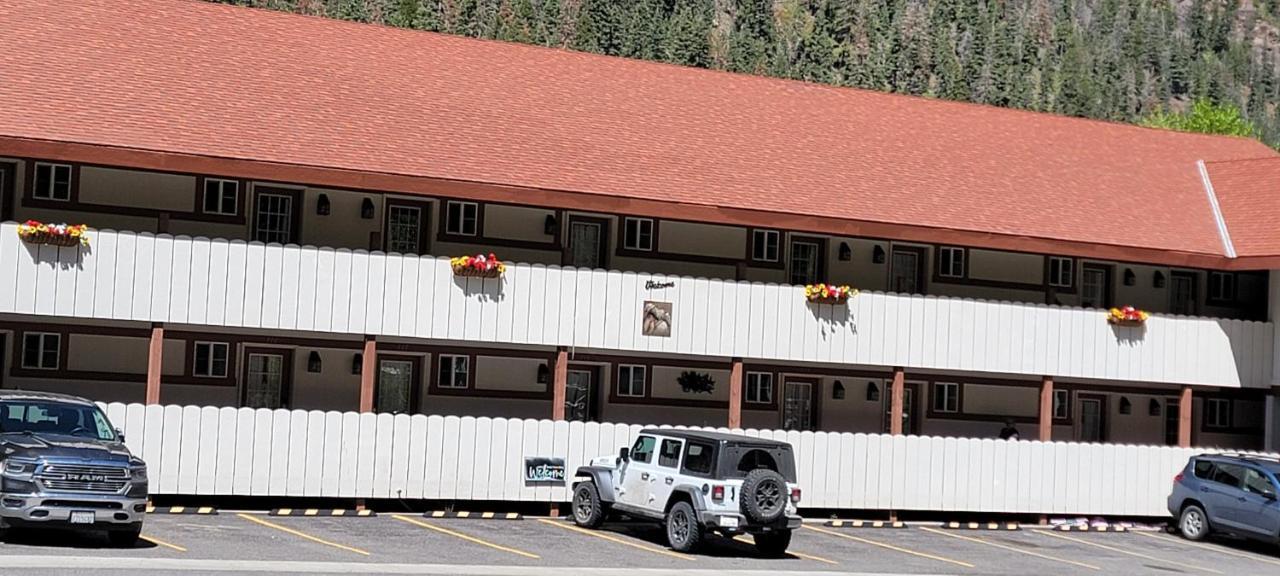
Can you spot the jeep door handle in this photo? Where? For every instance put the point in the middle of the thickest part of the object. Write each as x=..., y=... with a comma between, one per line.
x=644, y=475
x=670, y=480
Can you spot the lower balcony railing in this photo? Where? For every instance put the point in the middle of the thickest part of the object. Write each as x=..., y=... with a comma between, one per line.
x=197, y=281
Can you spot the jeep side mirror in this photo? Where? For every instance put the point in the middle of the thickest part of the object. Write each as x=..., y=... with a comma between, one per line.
x=120, y=435
x=624, y=454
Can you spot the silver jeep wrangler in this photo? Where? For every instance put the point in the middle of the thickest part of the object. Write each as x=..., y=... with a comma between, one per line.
x=695, y=482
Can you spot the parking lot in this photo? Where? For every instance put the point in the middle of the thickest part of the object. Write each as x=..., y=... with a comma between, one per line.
x=234, y=543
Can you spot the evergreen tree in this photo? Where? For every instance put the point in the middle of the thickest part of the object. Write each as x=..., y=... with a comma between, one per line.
x=687, y=40
x=752, y=38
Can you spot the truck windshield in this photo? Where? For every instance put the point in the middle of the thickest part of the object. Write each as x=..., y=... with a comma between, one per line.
x=50, y=417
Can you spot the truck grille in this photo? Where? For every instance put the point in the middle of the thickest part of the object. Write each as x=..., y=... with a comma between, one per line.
x=76, y=478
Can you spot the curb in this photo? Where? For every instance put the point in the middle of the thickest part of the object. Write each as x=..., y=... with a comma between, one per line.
x=201, y=510
x=1004, y=526
x=1082, y=528
x=864, y=524
x=325, y=512
x=475, y=515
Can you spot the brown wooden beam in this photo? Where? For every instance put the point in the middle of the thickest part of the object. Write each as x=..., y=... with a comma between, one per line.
x=735, y=394
x=895, y=401
x=1046, y=409
x=560, y=384
x=368, y=373
x=1184, y=418
x=155, y=363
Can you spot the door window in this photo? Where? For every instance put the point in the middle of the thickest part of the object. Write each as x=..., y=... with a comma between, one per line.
x=904, y=277
x=805, y=260
x=1256, y=482
x=797, y=406
x=395, y=386
x=1228, y=474
x=584, y=244
x=1094, y=287
x=274, y=218
x=669, y=457
x=404, y=229
x=264, y=384
x=642, y=450
x=1091, y=424
x=1182, y=293
x=577, y=396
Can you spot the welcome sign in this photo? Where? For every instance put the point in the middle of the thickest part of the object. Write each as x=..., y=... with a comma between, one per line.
x=537, y=469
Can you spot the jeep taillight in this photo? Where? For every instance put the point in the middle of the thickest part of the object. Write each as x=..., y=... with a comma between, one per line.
x=795, y=495
x=717, y=493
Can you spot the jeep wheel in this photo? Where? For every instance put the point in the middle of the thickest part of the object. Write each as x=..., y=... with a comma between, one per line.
x=126, y=538
x=683, y=530
x=764, y=496
x=773, y=544
x=587, y=510
x=1193, y=523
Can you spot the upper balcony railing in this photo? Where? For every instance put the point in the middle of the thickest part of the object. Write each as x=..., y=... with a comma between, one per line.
x=159, y=278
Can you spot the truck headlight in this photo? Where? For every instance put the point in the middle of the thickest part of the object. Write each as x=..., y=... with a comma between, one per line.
x=15, y=468
x=138, y=473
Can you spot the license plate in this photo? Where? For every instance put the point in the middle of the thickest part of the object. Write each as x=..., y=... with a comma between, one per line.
x=82, y=517
x=729, y=521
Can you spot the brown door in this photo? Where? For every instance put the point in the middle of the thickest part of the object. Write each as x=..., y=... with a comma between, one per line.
x=1092, y=423
x=906, y=270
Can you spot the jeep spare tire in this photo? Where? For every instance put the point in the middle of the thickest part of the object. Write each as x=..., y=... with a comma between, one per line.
x=764, y=496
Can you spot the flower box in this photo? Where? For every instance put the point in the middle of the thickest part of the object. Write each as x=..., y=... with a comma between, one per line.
x=478, y=266
x=1127, y=316
x=36, y=232
x=828, y=293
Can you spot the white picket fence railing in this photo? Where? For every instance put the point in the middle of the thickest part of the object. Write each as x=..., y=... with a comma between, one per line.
x=195, y=450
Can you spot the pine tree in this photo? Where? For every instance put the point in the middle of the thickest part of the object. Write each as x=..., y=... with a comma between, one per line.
x=752, y=37
x=687, y=40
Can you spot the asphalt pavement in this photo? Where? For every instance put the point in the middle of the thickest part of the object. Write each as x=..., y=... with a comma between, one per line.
x=250, y=543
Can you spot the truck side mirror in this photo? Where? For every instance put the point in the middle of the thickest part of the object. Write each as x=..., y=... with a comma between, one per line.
x=624, y=454
x=120, y=435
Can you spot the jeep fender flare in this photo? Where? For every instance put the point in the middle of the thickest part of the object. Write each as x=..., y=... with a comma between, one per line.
x=694, y=494
x=602, y=477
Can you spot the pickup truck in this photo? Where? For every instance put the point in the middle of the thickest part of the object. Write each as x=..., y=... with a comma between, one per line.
x=63, y=465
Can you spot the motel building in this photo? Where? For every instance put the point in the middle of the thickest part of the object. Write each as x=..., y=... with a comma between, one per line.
x=273, y=202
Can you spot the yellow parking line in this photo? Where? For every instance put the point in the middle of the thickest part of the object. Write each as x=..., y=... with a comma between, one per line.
x=891, y=547
x=159, y=542
x=615, y=539
x=1010, y=548
x=300, y=534
x=746, y=540
x=1221, y=549
x=465, y=537
x=1121, y=551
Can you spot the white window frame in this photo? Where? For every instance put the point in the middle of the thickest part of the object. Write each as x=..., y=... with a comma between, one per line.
x=949, y=257
x=1061, y=266
x=418, y=248
x=222, y=189
x=765, y=245
x=633, y=241
x=1217, y=413
x=1061, y=404
x=459, y=228
x=289, y=231
x=454, y=371
x=759, y=388
x=213, y=346
x=41, y=348
x=1222, y=286
x=48, y=194
x=632, y=371
x=940, y=392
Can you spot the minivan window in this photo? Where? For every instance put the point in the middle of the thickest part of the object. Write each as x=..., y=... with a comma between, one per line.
x=698, y=459
x=1204, y=469
x=643, y=449
x=670, y=455
x=1257, y=483
x=1229, y=474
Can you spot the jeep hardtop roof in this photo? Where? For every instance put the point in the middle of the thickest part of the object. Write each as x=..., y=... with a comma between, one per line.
x=715, y=437
x=46, y=396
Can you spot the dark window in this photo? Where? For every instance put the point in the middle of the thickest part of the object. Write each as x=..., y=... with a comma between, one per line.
x=806, y=262
x=453, y=371
x=755, y=459
x=759, y=388
x=41, y=350
x=638, y=234
x=1257, y=483
x=1060, y=272
x=1228, y=474
x=764, y=245
x=53, y=182
x=211, y=359
x=699, y=458
x=462, y=218
x=221, y=196
x=946, y=397
x=642, y=450
x=1061, y=404
x=404, y=229
x=1203, y=469
x=274, y=219
x=1222, y=287
x=951, y=262
x=1217, y=413
x=631, y=381
x=670, y=455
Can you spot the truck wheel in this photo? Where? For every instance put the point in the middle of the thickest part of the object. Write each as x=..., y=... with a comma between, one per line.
x=588, y=512
x=683, y=530
x=773, y=544
x=126, y=538
x=764, y=496
x=1193, y=523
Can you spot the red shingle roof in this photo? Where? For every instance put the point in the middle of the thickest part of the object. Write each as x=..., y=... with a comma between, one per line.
x=217, y=81
x=1248, y=194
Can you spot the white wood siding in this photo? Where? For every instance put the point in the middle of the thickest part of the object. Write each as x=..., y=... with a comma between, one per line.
x=247, y=452
x=158, y=278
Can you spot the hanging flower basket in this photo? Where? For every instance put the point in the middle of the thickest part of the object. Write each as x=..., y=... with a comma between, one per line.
x=36, y=232
x=1127, y=316
x=828, y=293
x=478, y=266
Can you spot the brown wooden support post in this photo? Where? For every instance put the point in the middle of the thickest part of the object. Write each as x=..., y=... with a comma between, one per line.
x=735, y=394
x=895, y=401
x=560, y=384
x=368, y=373
x=155, y=363
x=1184, y=418
x=1046, y=409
